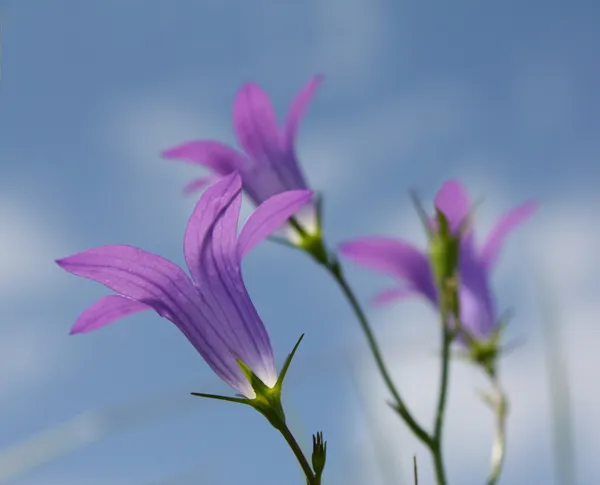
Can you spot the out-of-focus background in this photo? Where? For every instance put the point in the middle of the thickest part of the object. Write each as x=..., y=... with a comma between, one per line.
x=502, y=95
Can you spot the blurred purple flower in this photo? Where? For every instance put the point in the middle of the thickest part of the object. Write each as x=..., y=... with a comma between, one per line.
x=212, y=308
x=412, y=268
x=269, y=164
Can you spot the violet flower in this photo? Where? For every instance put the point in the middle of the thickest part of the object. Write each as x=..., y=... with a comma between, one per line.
x=212, y=308
x=412, y=268
x=269, y=164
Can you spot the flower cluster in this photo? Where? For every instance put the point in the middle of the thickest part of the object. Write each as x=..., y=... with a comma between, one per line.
x=211, y=305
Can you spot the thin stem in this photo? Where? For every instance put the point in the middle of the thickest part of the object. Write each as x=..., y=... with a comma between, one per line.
x=415, y=470
x=308, y=472
x=499, y=447
x=436, y=447
x=335, y=270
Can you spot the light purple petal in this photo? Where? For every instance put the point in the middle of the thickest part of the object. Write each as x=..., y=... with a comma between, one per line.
x=211, y=254
x=394, y=257
x=270, y=216
x=476, y=310
x=158, y=283
x=209, y=153
x=198, y=184
x=393, y=294
x=296, y=111
x=452, y=200
x=476, y=299
x=136, y=274
x=106, y=310
x=255, y=123
x=163, y=286
x=503, y=227
x=201, y=224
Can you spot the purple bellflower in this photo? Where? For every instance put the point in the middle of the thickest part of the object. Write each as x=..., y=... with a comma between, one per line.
x=212, y=308
x=268, y=164
x=413, y=269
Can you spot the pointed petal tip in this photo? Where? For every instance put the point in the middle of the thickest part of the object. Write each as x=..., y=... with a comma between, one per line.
x=305, y=194
x=317, y=79
x=452, y=188
x=196, y=185
x=249, y=87
x=65, y=262
x=531, y=206
x=175, y=152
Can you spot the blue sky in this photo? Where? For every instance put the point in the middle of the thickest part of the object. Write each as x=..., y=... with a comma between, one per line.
x=502, y=96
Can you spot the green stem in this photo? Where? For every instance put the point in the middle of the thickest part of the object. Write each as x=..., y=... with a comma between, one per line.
x=335, y=270
x=308, y=472
x=319, y=252
x=436, y=445
x=499, y=447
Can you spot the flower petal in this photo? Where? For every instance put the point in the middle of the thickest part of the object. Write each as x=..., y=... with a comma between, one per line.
x=205, y=215
x=255, y=123
x=197, y=184
x=211, y=254
x=393, y=294
x=452, y=200
x=270, y=216
x=296, y=111
x=394, y=257
x=106, y=310
x=210, y=153
x=136, y=274
x=507, y=223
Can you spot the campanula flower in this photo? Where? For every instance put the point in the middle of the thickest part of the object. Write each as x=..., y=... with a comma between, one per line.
x=211, y=307
x=413, y=268
x=268, y=164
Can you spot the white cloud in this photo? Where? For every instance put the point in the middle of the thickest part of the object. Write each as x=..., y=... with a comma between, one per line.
x=31, y=240
x=32, y=355
x=350, y=41
x=24, y=356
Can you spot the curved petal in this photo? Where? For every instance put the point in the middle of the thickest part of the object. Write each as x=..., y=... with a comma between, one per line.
x=255, y=123
x=158, y=283
x=296, y=111
x=476, y=298
x=139, y=275
x=452, y=200
x=106, y=310
x=270, y=216
x=394, y=257
x=476, y=311
x=211, y=254
x=206, y=213
x=197, y=184
x=163, y=286
x=391, y=295
x=210, y=153
x=507, y=223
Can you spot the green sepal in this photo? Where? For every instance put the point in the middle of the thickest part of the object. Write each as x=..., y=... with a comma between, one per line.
x=286, y=365
x=238, y=400
x=485, y=353
x=443, y=251
x=319, y=210
x=268, y=399
x=312, y=242
x=319, y=455
x=421, y=213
